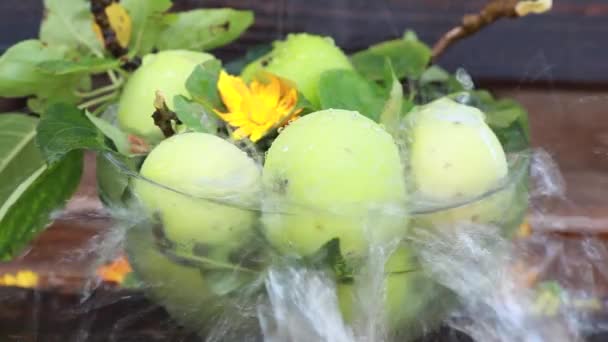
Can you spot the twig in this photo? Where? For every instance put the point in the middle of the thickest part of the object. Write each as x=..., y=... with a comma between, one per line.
x=101, y=90
x=97, y=100
x=472, y=23
x=163, y=116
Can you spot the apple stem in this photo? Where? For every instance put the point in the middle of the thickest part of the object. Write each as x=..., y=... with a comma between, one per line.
x=163, y=116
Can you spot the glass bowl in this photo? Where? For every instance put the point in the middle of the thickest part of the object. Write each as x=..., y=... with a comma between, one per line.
x=217, y=282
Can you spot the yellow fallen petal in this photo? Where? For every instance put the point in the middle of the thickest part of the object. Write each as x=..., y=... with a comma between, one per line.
x=27, y=279
x=524, y=230
x=9, y=280
x=116, y=271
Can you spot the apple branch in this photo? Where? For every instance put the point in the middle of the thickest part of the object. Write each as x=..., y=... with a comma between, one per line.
x=493, y=11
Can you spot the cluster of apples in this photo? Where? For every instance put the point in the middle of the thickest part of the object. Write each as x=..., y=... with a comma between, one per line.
x=331, y=174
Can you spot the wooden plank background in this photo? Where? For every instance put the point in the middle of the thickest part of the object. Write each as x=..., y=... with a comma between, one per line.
x=568, y=45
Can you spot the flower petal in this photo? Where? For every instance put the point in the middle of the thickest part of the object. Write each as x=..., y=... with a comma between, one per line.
x=232, y=90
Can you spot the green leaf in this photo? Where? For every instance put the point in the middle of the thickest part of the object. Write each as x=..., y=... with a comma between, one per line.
x=304, y=105
x=408, y=56
x=345, y=89
x=235, y=67
x=203, y=29
x=434, y=74
x=113, y=174
x=330, y=255
x=391, y=114
x=500, y=113
x=117, y=136
x=19, y=156
x=512, y=138
x=202, y=84
x=435, y=83
x=507, y=118
x=93, y=65
x=69, y=23
x=64, y=128
x=132, y=282
x=28, y=208
x=20, y=75
x=222, y=282
x=194, y=115
x=147, y=18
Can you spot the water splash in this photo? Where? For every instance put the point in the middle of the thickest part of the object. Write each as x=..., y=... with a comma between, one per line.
x=303, y=306
x=476, y=263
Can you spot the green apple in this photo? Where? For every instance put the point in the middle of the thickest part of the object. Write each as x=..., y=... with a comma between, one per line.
x=204, y=189
x=301, y=58
x=166, y=71
x=453, y=153
x=181, y=289
x=454, y=158
x=333, y=174
x=410, y=300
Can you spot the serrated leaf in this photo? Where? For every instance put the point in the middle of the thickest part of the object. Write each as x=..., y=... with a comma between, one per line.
x=69, y=23
x=147, y=23
x=28, y=208
x=408, y=55
x=19, y=156
x=203, y=29
x=91, y=65
x=391, y=113
x=202, y=84
x=194, y=115
x=345, y=89
x=20, y=75
x=65, y=128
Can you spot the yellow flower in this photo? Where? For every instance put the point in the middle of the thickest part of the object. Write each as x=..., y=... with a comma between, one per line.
x=255, y=109
x=120, y=22
x=25, y=279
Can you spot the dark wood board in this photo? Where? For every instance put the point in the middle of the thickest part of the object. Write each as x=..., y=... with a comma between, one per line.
x=568, y=45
